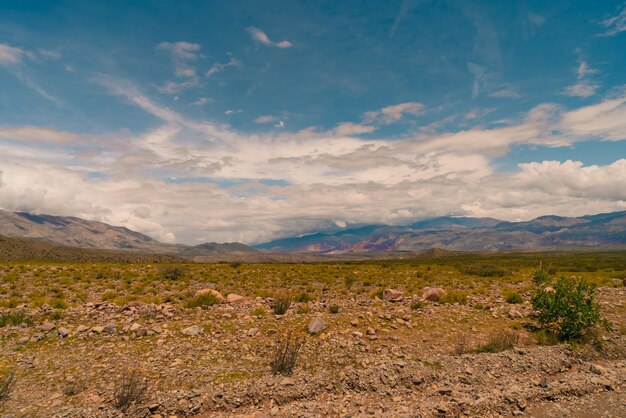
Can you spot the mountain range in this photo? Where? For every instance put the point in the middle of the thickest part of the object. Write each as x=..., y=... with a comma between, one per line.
x=602, y=231
x=606, y=230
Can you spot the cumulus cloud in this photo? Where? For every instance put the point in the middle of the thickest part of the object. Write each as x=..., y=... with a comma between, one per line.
x=265, y=119
x=259, y=36
x=181, y=54
x=391, y=114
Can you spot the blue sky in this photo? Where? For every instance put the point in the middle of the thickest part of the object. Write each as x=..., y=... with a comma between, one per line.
x=248, y=121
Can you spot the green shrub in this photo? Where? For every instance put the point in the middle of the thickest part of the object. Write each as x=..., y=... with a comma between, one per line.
x=541, y=277
x=204, y=299
x=7, y=381
x=483, y=270
x=333, y=309
x=568, y=310
x=512, y=296
x=378, y=294
x=286, y=355
x=258, y=311
x=13, y=318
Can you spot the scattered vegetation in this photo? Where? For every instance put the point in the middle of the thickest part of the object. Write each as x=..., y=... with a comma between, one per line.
x=333, y=309
x=172, y=273
x=483, y=270
x=541, y=277
x=567, y=309
x=129, y=390
x=454, y=296
x=13, y=318
x=418, y=304
x=286, y=355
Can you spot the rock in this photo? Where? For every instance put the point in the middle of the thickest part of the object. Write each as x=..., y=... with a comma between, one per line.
x=514, y=314
x=193, y=331
x=595, y=369
x=354, y=322
x=357, y=334
x=392, y=295
x=233, y=298
x=252, y=332
x=63, y=332
x=371, y=331
x=134, y=327
x=81, y=328
x=98, y=329
x=433, y=294
x=110, y=328
x=316, y=326
x=47, y=326
x=208, y=291
x=287, y=381
x=23, y=340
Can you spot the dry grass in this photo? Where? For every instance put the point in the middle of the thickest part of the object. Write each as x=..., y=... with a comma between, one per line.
x=286, y=355
x=7, y=381
x=499, y=341
x=129, y=390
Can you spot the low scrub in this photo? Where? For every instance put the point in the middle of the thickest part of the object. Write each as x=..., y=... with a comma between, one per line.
x=172, y=273
x=286, y=355
x=13, y=319
x=129, y=390
x=567, y=309
x=7, y=381
x=204, y=299
x=483, y=270
x=281, y=305
x=499, y=341
x=513, y=297
x=454, y=296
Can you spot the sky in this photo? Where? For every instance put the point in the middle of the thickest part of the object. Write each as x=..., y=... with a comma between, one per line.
x=249, y=121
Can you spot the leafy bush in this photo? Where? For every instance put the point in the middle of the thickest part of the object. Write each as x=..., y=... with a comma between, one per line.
x=333, y=309
x=568, y=309
x=130, y=389
x=281, y=305
x=258, y=311
x=499, y=341
x=512, y=296
x=286, y=355
x=378, y=294
x=203, y=299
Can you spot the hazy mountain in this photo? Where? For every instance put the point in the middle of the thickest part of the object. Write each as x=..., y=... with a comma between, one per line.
x=76, y=232
x=467, y=234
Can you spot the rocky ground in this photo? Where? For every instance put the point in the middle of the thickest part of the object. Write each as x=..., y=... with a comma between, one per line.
x=409, y=357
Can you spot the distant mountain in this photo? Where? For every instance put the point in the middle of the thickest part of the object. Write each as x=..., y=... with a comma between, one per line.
x=606, y=230
x=80, y=233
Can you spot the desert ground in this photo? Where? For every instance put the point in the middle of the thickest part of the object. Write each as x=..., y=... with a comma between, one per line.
x=165, y=340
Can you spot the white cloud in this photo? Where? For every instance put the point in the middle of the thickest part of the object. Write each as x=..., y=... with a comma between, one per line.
x=201, y=101
x=615, y=24
x=391, y=114
x=10, y=55
x=218, y=67
x=319, y=178
x=259, y=36
x=264, y=119
x=181, y=53
x=585, y=86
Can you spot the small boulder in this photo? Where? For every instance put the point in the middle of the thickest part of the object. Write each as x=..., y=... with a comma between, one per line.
x=47, y=326
x=433, y=294
x=193, y=331
x=98, y=329
x=110, y=328
x=316, y=326
x=63, y=332
x=81, y=328
x=233, y=298
x=393, y=295
x=252, y=332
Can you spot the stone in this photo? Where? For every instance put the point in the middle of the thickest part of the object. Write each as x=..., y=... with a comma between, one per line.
x=193, y=331
x=393, y=295
x=47, y=326
x=110, y=328
x=252, y=332
x=316, y=326
x=208, y=291
x=134, y=327
x=63, y=332
x=98, y=329
x=354, y=322
x=233, y=298
x=287, y=381
x=81, y=328
x=433, y=294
